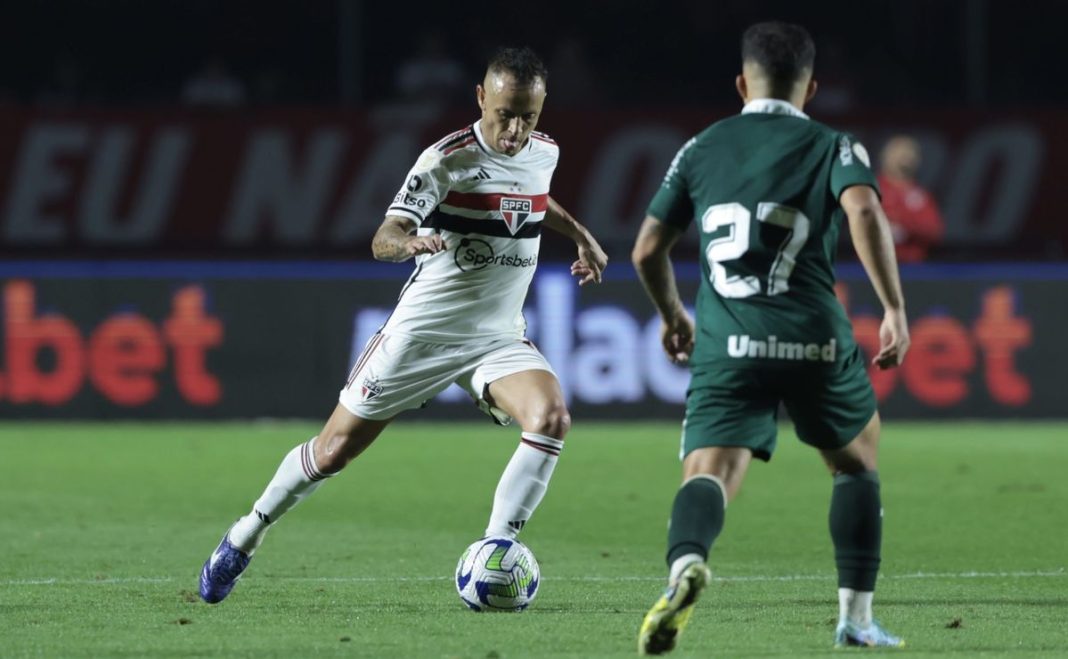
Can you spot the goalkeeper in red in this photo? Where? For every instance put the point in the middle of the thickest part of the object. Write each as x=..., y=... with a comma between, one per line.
x=768, y=189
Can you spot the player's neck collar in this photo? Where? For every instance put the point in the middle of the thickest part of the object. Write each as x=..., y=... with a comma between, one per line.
x=493, y=152
x=772, y=106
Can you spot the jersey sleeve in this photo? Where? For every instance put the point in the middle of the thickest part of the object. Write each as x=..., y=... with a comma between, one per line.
x=851, y=166
x=672, y=203
x=426, y=185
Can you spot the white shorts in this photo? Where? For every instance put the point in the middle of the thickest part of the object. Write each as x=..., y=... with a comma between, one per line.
x=397, y=373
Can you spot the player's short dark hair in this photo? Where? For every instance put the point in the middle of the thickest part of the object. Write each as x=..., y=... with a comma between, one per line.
x=783, y=50
x=523, y=63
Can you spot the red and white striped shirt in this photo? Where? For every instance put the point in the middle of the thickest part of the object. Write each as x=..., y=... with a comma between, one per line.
x=489, y=208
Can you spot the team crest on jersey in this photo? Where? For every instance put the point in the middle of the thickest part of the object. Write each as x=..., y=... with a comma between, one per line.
x=515, y=212
x=370, y=388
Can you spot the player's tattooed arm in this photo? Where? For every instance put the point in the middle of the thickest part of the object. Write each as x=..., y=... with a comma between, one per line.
x=652, y=260
x=394, y=241
x=591, y=260
x=870, y=231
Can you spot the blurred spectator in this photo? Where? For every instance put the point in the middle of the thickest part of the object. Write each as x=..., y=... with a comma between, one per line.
x=432, y=74
x=915, y=221
x=213, y=85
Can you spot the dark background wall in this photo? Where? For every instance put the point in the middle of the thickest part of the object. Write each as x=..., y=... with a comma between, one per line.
x=894, y=53
x=89, y=85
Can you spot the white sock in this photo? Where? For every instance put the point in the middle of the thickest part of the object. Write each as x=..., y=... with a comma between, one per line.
x=681, y=563
x=523, y=483
x=297, y=477
x=855, y=606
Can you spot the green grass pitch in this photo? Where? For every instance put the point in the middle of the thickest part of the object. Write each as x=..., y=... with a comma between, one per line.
x=103, y=528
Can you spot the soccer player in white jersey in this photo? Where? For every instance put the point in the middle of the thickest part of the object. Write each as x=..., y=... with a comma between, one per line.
x=471, y=213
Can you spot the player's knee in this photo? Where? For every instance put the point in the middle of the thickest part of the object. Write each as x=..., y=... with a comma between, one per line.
x=861, y=454
x=327, y=458
x=335, y=450
x=553, y=421
x=850, y=464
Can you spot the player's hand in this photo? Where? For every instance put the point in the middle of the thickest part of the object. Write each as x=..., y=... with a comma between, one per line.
x=590, y=264
x=893, y=340
x=417, y=245
x=676, y=335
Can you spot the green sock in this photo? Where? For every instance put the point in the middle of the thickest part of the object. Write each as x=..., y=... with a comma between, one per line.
x=856, y=522
x=696, y=518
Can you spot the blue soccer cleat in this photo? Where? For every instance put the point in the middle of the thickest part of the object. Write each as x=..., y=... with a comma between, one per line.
x=222, y=570
x=852, y=635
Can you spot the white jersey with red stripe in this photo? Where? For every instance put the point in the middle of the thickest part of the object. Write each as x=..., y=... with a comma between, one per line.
x=489, y=208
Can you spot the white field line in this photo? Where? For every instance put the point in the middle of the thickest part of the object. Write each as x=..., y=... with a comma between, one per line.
x=1038, y=574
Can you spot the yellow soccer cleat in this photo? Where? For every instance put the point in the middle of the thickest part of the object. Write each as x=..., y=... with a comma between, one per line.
x=668, y=617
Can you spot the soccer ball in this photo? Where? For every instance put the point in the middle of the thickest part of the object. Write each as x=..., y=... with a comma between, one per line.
x=497, y=574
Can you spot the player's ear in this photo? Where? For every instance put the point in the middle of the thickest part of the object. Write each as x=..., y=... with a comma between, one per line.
x=480, y=96
x=811, y=91
x=742, y=87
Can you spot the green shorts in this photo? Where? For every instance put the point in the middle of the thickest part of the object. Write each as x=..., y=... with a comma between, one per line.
x=738, y=406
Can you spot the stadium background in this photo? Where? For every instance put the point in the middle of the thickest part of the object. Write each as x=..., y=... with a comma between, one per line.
x=187, y=190
x=174, y=251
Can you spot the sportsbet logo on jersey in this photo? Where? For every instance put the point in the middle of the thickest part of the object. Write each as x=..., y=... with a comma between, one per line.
x=475, y=254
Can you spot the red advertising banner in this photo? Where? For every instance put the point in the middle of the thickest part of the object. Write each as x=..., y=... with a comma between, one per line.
x=245, y=339
x=279, y=180
x=120, y=358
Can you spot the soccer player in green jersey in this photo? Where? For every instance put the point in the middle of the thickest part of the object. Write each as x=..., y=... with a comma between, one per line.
x=768, y=189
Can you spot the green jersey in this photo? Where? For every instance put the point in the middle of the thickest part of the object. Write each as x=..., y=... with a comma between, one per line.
x=764, y=188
